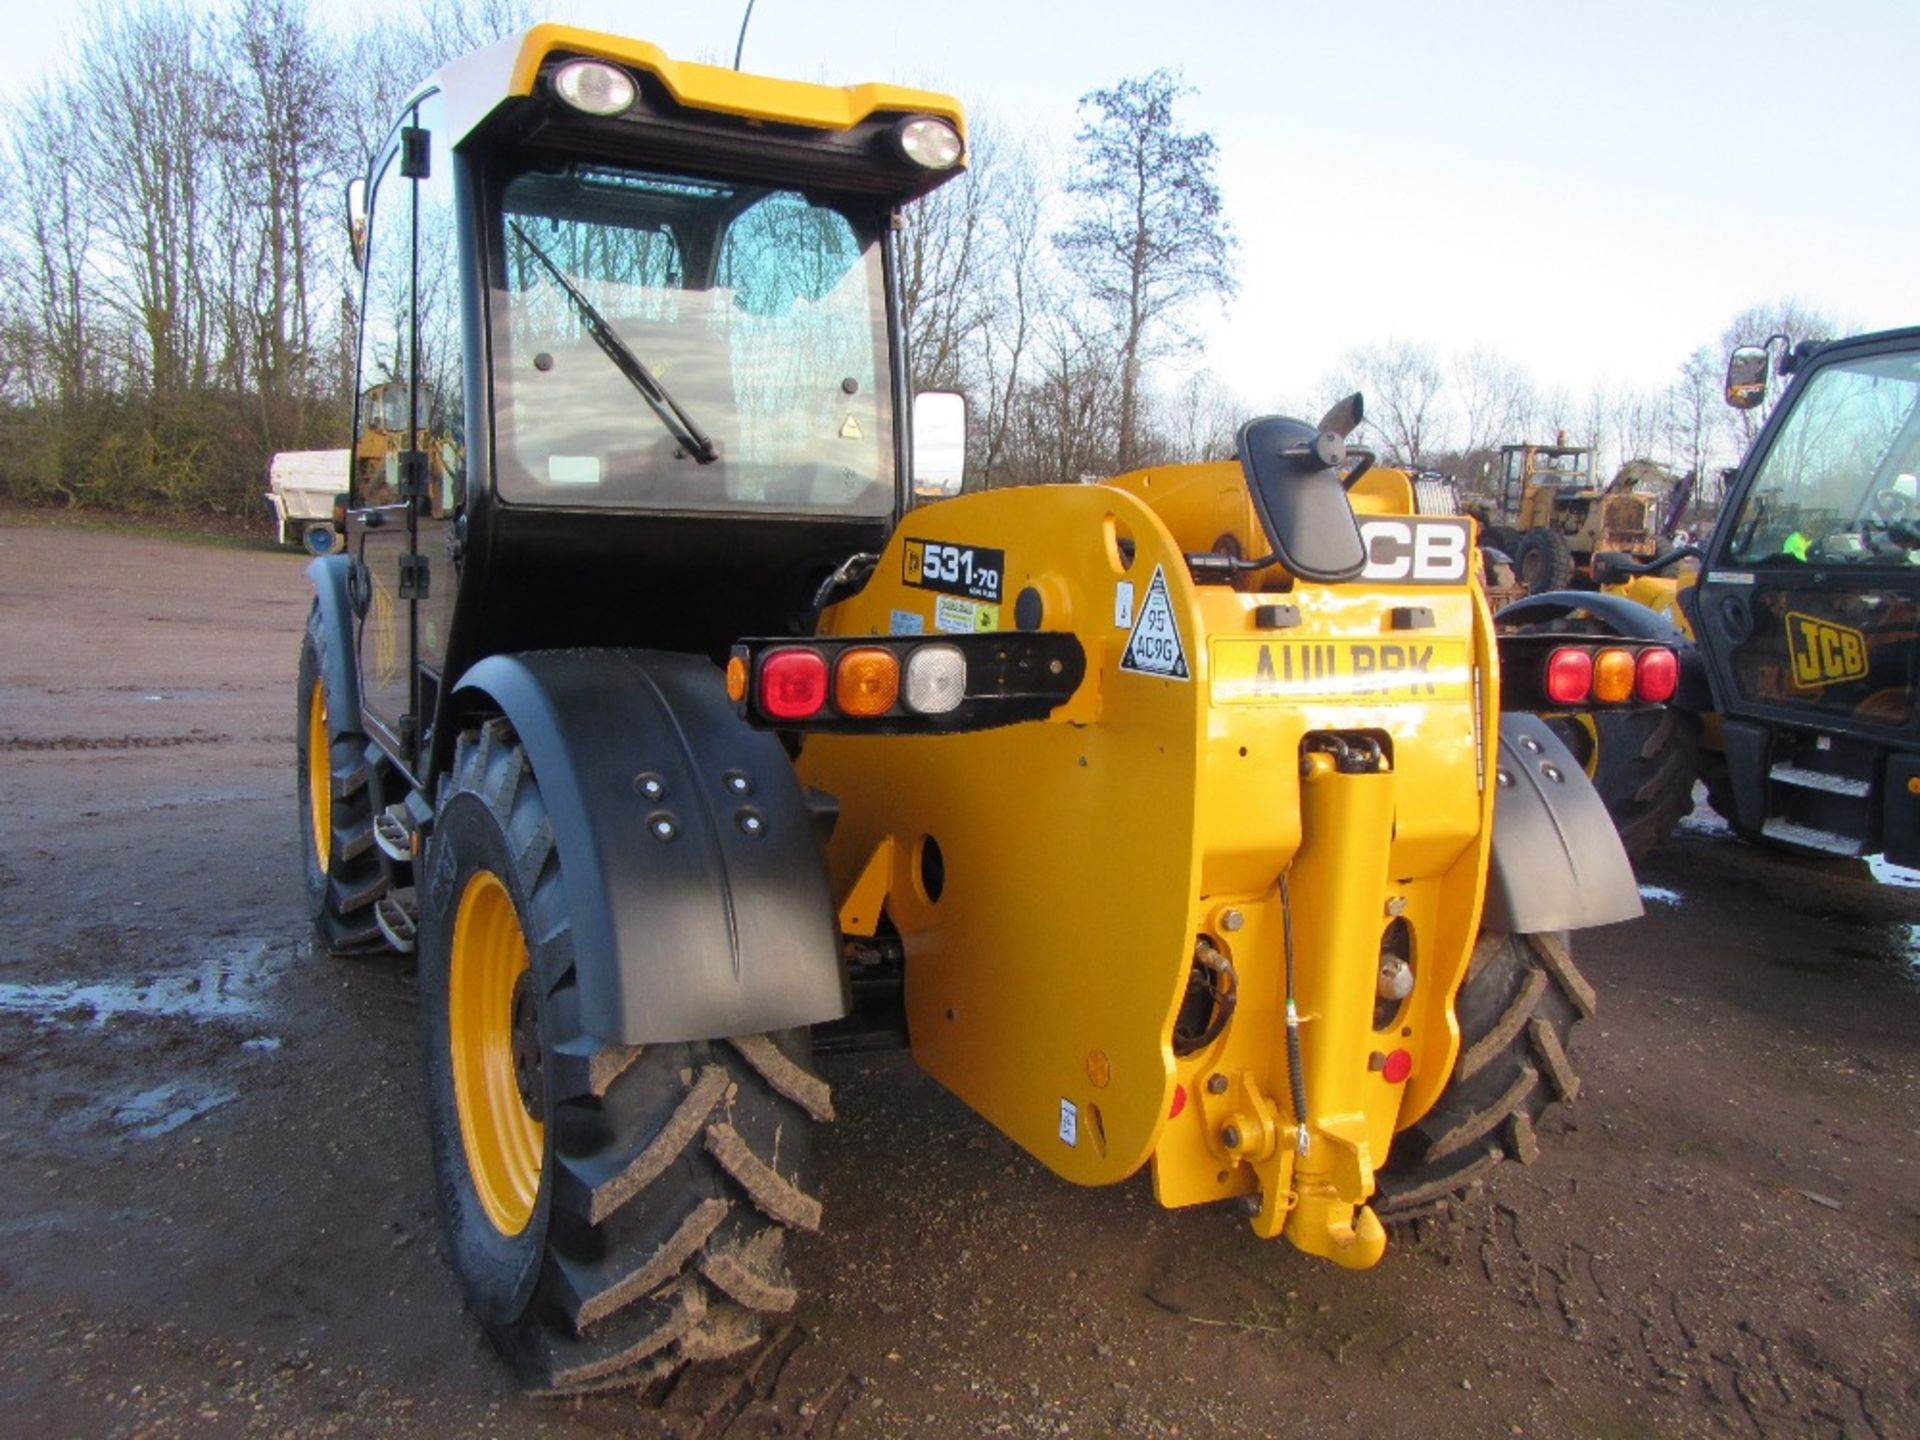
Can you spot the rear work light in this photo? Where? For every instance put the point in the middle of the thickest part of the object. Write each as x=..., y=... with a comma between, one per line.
x=595, y=87
x=1613, y=672
x=929, y=142
x=1658, y=676
x=1569, y=676
x=793, y=684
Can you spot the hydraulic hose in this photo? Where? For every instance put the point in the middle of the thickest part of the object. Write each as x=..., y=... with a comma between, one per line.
x=1296, y=1075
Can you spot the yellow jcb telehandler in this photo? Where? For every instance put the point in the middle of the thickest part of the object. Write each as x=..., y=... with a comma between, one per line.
x=1178, y=821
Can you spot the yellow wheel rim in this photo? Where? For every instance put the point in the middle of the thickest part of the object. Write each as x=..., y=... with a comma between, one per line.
x=1589, y=758
x=496, y=1053
x=319, y=776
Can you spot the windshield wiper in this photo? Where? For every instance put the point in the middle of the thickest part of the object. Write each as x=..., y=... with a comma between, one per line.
x=695, y=441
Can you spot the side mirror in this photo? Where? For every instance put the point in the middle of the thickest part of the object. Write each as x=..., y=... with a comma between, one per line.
x=939, y=443
x=357, y=220
x=1747, y=377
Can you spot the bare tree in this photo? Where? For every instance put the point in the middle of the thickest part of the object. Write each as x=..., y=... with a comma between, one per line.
x=1494, y=399
x=1149, y=235
x=1405, y=398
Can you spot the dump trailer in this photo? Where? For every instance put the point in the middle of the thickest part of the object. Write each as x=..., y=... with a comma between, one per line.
x=1800, y=613
x=684, y=719
x=302, y=486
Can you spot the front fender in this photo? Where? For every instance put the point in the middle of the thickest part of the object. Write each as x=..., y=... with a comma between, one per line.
x=329, y=576
x=696, y=885
x=1557, y=862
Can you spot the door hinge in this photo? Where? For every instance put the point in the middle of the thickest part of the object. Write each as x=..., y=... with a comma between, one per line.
x=415, y=577
x=413, y=475
x=415, y=163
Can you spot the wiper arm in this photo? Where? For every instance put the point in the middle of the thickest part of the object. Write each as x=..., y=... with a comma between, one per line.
x=692, y=438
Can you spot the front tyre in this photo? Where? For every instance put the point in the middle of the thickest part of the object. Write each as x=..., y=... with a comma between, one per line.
x=1518, y=1005
x=612, y=1211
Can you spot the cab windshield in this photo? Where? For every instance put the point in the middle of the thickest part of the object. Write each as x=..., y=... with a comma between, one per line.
x=1840, y=484
x=664, y=342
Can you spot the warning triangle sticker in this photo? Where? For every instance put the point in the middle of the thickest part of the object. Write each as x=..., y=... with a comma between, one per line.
x=1154, y=646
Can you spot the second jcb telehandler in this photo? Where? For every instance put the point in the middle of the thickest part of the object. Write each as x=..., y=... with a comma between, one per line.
x=1174, y=821
x=1797, y=619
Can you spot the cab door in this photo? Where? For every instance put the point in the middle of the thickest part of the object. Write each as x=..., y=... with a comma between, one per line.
x=409, y=482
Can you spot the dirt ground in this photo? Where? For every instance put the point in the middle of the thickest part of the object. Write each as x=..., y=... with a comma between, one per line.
x=218, y=1216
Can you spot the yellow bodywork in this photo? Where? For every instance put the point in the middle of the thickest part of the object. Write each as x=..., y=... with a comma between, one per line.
x=1080, y=860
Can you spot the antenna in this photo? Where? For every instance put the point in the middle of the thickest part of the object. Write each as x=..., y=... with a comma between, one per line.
x=741, y=47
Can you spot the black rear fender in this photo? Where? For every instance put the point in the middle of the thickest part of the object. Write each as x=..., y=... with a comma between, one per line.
x=696, y=882
x=1557, y=860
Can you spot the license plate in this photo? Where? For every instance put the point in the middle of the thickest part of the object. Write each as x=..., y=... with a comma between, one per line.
x=1374, y=672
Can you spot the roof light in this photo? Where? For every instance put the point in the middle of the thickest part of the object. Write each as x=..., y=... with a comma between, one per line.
x=1569, y=676
x=1613, y=672
x=1659, y=675
x=866, y=682
x=793, y=684
x=595, y=87
x=930, y=143
x=936, y=679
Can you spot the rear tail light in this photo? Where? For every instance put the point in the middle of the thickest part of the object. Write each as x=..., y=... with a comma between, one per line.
x=936, y=679
x=1569, y=676
x=793, y=684
x=866, y=682
x=1658, y=677
x=1613, y=676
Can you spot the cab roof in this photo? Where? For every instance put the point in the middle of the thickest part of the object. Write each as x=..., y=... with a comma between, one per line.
x=476, y=85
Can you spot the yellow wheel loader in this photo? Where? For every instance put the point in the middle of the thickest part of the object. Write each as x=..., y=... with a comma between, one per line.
x=1179, y=821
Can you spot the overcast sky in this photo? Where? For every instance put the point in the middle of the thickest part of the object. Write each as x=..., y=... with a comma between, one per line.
x=1593, y=189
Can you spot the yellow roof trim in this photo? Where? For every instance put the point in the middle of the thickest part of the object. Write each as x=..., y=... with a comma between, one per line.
x=729, y=92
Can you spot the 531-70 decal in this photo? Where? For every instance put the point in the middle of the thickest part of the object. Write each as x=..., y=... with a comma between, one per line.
x=970, y=570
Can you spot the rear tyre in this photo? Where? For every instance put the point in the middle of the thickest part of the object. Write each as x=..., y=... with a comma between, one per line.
x=1643, y=763
x=1543, y=560
x=1517, y=1007
x=612, y=1211
x=333, y=773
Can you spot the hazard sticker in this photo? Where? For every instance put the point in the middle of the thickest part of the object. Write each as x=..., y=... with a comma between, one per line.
x=1154, y=647
x=1069, y=1122
x=1123, y=605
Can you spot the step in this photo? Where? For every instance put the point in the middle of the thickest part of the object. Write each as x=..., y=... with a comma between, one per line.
x=1826, y=780
x=393, y=833
x=1806, y=837
x=397, y=916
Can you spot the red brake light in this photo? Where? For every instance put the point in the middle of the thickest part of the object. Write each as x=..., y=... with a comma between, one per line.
x=1658, y=676
x=793, y=684
x=1569, y=676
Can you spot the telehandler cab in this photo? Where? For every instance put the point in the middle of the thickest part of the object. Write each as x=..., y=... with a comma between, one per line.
x=1172, y=821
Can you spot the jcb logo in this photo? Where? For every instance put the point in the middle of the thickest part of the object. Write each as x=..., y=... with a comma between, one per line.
x=1824, y=652
x=1415, y=552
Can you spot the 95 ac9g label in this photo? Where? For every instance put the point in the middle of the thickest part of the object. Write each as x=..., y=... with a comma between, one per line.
x=973, y=571
x=1366, y=672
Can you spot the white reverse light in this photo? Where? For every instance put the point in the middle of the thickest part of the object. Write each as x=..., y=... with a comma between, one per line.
x=936, y=679
x=594, y=86
x=930, y=143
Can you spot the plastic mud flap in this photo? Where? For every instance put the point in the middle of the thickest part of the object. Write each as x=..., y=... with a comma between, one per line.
x=694, y=874
x=329, y=577
x=1557, y=861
